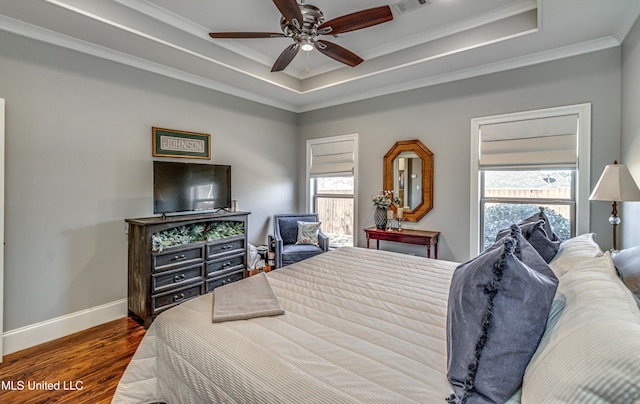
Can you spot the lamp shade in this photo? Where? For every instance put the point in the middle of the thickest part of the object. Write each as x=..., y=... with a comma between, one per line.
x=616, y=184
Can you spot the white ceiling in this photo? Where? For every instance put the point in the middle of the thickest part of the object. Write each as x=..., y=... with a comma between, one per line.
x=442, y=41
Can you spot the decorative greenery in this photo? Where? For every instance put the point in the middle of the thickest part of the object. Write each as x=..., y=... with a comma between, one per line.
x=385, y=199
x=502, y=216
x=195, y=232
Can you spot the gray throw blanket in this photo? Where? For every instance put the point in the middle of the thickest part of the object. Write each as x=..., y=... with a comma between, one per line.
x=249, y=298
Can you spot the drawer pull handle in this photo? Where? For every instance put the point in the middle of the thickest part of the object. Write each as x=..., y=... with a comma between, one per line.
x=178, y=298
x=228, y=280
x=179, y=257
x=179, y=278
x=227, y=247
x=226, y=264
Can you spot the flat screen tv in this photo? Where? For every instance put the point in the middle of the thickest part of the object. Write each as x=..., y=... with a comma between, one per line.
x=190, y=187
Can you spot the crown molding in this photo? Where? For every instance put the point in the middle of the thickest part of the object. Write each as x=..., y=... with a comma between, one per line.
x=476, y=71
x=64, y=41
x=54, y=38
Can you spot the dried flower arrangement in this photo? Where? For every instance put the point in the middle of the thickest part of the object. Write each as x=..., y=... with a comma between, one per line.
x=385, y=199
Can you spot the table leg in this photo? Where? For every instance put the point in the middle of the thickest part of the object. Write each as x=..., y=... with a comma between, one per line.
x=428, y=250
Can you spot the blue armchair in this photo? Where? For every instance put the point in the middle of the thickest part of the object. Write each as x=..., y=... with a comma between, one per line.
x=285, y=235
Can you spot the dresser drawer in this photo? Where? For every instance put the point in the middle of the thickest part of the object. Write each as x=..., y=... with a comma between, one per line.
x=170, y=299
x=175, y=278
x=225, y=247
x=169, y=260
x=224, y=279
x=226, y=264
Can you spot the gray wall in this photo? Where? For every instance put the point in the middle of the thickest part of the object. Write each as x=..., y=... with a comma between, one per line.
x=78, y=162
x=630, y=211
x=79, y=157
x=440, y=117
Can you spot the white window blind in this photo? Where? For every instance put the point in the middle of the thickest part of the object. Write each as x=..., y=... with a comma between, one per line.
x=551, y=141
x=332, y=159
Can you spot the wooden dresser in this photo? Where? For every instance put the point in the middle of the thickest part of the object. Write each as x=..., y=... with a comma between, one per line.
x=162, y=276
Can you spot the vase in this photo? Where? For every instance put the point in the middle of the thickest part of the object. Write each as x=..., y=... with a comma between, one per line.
x=380, y=218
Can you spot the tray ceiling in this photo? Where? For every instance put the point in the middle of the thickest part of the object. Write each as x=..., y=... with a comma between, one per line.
x=435, y=42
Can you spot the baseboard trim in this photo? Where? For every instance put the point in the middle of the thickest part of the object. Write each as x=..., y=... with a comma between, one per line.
x=35, y=334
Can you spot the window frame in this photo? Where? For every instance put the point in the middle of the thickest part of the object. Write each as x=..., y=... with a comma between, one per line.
x=315, y=195
x=310, y=183
x=570, y=202
x=582, y=169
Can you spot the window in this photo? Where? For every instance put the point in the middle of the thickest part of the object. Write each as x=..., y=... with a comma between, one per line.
x=507, y=196
x=527, y=160
x=331, y=179
x=333, y=202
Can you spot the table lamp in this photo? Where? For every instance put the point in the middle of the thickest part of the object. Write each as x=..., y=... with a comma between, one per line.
x=616, y=185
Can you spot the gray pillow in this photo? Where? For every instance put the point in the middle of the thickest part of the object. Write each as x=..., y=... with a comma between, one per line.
x=525, y=251
x=496, y=315
x=547, y=225
x=537, y=236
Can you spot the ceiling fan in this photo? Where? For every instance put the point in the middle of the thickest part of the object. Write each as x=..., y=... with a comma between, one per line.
x=304, y=23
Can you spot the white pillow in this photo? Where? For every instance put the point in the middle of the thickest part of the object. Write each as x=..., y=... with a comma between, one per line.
x=572, y=251
x=590, y=351
x=308, y=233
x=628, y=263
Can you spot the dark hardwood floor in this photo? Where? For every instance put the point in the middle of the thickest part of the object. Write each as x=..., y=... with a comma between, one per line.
x=80, y=368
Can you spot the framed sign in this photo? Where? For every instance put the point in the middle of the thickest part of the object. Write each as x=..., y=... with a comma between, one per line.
x=177, y=143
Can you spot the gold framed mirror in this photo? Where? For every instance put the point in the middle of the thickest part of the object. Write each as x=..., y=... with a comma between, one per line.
x=408, y=171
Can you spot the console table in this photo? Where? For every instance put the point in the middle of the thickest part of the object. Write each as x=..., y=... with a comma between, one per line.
x=420, y=237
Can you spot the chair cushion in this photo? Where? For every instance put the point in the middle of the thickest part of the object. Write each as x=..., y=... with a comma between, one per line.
x=496, y=315
x=292, y=253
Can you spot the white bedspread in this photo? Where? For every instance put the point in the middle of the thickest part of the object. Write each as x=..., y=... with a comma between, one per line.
x=360, y=326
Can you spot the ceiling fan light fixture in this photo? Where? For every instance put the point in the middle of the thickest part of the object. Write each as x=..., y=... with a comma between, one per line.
x=303, y=23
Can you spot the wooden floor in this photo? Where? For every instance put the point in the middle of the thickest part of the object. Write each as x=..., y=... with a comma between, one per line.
x=82, y=368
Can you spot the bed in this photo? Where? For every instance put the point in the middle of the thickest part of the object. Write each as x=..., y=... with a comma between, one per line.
x=369, y=326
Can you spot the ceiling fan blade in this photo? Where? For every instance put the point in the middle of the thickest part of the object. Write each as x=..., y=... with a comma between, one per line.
x=358, y=20
x=290, y=10
x=245, y=35
x=286, y=57
x=338, y=53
